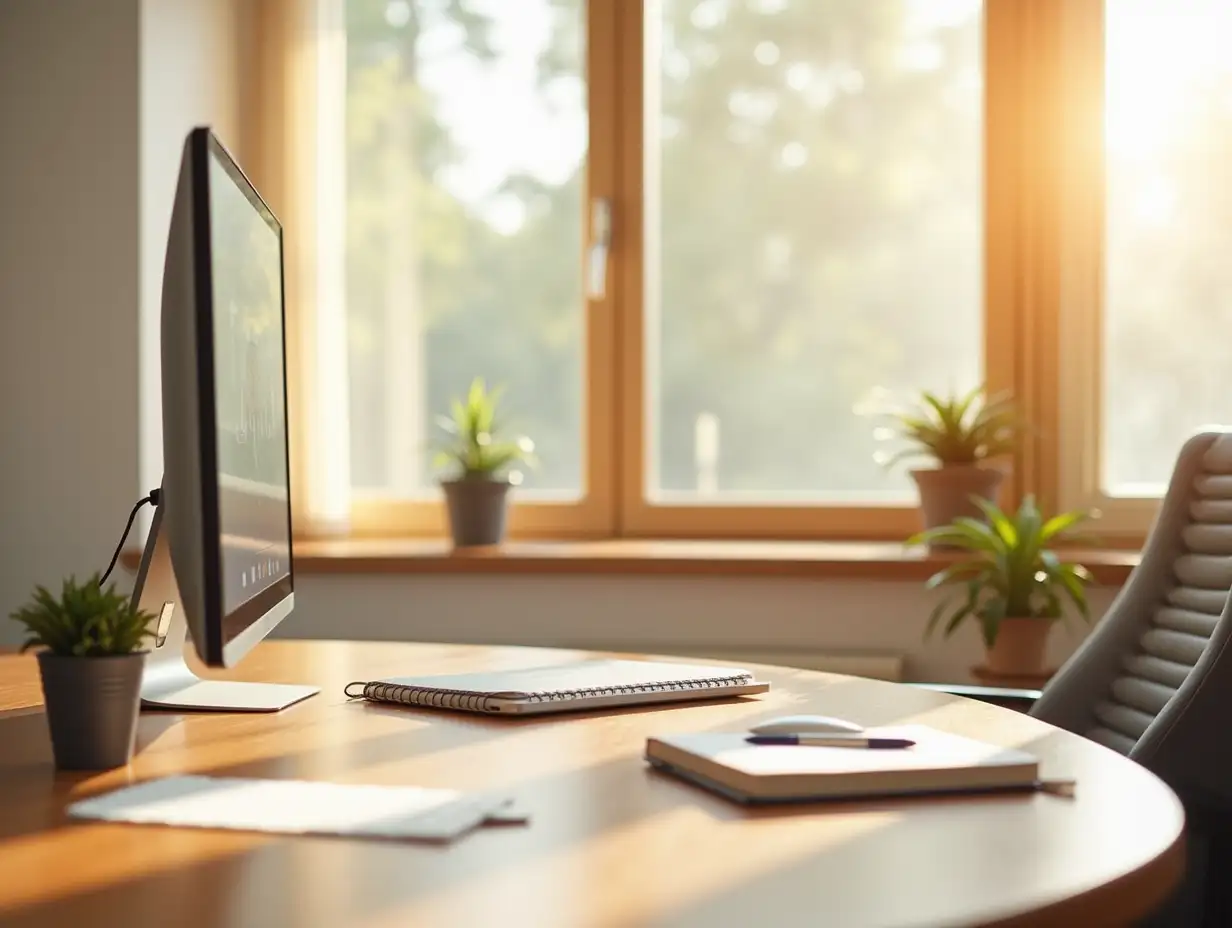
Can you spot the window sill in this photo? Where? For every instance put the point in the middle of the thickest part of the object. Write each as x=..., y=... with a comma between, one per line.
x=819, y=560
x=831, y=560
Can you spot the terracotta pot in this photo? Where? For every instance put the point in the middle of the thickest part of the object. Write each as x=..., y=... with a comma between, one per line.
x=945, y=492
x=1019, y=647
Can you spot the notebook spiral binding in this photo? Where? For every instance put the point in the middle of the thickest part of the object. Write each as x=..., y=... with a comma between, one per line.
x=487, y=702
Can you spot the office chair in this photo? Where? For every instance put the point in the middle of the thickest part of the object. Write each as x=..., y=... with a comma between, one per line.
x=1153, y=680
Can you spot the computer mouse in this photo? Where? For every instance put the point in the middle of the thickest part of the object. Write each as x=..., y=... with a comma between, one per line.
x=806, y=725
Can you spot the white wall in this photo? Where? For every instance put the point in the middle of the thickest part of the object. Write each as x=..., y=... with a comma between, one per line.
x=68, y=287
x=646, y=613
x=95, y=100
x=189, y=68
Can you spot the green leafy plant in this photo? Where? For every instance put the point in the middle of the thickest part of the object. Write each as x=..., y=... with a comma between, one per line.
x=1008, y=572
x=473, y=447
x=84, y=621
x=956, y=430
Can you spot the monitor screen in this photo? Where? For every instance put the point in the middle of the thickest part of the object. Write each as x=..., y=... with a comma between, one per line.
x=249, y=396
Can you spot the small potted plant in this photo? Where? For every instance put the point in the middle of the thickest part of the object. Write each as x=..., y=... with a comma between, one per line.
x=90, y=664
x=1010, y=583
x=481, y=465
x=961, y=434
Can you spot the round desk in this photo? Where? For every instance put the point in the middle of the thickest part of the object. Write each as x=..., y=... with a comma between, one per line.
x=610, y=841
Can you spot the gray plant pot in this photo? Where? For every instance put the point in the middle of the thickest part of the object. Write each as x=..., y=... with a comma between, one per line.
x=476, y=510
x=92, y=705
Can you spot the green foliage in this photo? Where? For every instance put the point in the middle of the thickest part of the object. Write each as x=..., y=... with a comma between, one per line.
x=858, y=269
x=85, y=621
x=962, y=429
x=786, y=298
x=1008, y=570
x=473, y=446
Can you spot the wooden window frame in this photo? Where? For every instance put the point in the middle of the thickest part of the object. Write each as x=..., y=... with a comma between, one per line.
x=1123, y=521
x=1042, y=289
x=640, y=517
x=593, y=514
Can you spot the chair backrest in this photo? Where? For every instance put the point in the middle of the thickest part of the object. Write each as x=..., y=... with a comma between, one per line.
x=1154, y=678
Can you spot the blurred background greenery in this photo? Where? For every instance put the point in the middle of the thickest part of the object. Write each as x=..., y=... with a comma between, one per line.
x=815, y=230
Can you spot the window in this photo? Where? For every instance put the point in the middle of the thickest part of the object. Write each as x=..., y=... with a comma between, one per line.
x=812, y=242
x=1166, y=289
x=466, y=157
x=1169, y=147
x=818, y=209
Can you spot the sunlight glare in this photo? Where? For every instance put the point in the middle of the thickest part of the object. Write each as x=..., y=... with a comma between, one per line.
x=1157, y=55
x=1155, y=200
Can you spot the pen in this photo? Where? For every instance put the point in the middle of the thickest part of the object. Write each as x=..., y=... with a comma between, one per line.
x=832, y=741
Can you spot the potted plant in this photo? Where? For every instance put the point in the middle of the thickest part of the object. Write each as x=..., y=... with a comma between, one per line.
x=961, y=434
x=1011, y=584
x=482, y=467
x=90, y=664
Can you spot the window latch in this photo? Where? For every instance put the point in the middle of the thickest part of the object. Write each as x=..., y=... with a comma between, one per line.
x=600, y=243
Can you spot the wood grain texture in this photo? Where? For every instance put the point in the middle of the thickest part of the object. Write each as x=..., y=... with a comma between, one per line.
x=610, y=843
x=829, y=560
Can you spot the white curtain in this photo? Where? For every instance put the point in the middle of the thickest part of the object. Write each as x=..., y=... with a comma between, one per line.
x=296, y=125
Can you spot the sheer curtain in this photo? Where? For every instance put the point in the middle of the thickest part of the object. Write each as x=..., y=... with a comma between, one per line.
x=295, y=124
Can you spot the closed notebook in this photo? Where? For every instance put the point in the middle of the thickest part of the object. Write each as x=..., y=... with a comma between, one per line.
x=588, y=684
x=939, y=762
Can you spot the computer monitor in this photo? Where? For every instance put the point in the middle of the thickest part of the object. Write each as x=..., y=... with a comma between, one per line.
x=218, y=563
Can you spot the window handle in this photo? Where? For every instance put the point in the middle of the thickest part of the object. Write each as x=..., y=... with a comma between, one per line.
x=600, y=243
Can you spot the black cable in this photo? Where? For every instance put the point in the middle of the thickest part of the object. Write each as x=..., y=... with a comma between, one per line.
x=153, y=499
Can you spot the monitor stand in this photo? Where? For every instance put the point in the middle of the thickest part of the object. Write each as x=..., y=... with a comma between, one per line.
x=168, y=682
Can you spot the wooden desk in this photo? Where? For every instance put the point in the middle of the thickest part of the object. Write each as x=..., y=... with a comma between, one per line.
x=611, y=842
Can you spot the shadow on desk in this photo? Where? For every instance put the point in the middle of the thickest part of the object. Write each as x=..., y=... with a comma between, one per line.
x=151, y=871
x=198, y=893
x=208, y=876
x=28, y=771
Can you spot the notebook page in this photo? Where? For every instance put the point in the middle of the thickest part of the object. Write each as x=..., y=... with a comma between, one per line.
x=294, y=807
x=603, y=674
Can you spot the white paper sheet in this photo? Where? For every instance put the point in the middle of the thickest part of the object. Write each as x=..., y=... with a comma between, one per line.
x=299, y=807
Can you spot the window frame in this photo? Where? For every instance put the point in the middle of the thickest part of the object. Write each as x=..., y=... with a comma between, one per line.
x=1042, y=215
x=592, y=515
x=642, y=517
x=1080, y=343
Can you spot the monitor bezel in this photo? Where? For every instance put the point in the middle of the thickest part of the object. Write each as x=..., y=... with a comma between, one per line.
x=262, y=612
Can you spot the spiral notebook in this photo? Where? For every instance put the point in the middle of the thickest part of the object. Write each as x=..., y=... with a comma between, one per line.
x=589, y=684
